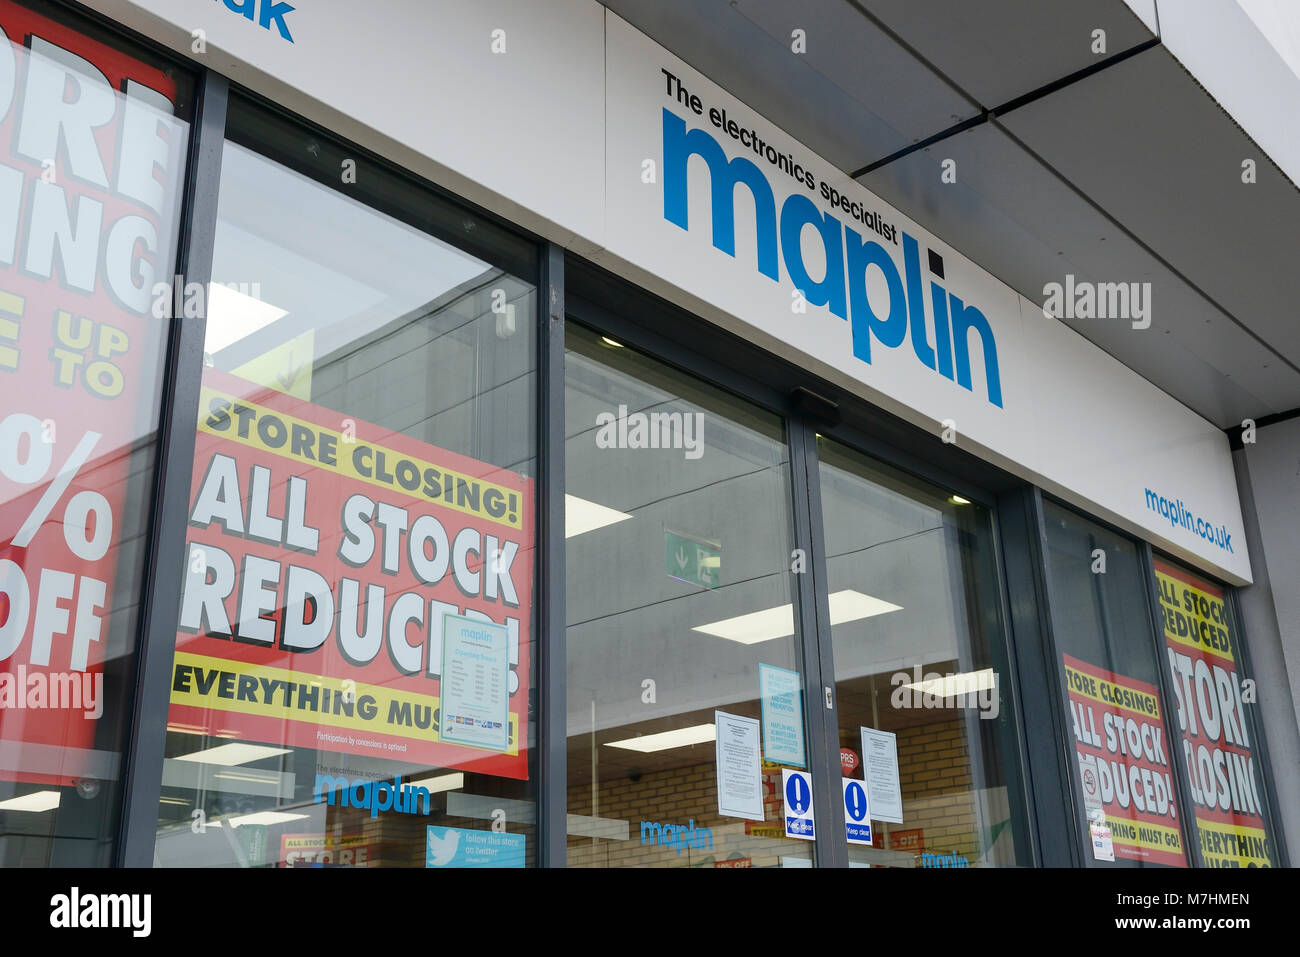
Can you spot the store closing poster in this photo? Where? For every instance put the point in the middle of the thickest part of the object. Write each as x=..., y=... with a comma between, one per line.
x=91, y=162
x=329, y=562
x=1124, y=763
x=1224, y=783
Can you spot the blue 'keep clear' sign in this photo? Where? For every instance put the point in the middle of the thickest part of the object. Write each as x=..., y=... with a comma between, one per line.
x=797, y=786
x=857, y=812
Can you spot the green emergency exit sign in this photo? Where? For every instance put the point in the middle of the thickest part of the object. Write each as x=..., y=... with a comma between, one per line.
x=692, y=561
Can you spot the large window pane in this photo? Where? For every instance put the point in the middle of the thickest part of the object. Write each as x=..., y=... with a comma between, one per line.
x=1109, y=679
x=354, y=657
x=1217, y=728
x=681, y=605
x=925, y=709
x=93, y=140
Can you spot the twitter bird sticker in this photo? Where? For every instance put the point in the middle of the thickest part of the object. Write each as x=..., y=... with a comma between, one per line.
x=465, y=847
x=442, y=847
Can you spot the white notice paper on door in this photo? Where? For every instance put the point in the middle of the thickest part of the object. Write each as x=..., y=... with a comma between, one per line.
x=475, y=683
x=740, y=773
x=880, y=764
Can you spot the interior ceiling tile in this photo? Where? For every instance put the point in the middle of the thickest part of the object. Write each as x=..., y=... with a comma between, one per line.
x=854, y=97
x=1021, y=223
x=1145, y=142
x=997, y=50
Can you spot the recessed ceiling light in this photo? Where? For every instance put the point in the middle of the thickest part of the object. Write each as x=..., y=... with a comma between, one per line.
x=778, y=622
x=850, y=605
x=665, y=740
x=265, y=817
x=756, y=626
x=582, y=516
x=36, y=801
x=949, y=686
x=440, y=782
x=229, y=755
x=186, y=729
x=234, y=315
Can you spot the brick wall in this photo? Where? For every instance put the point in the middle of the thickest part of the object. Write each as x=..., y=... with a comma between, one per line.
x=938, y=793
x=934, y=774
x=677, y=797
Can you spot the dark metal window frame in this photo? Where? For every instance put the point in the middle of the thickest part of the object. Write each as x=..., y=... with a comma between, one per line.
x=1078, y=819
x=164, y=563
x=617, y=308
x=1050, y=766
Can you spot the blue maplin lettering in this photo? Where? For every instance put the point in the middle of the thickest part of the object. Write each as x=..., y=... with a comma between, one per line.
x=950, y=859
x=1177, y=513
x=374, y=796
x=677, y=836
x=270, y=12
x=843, y=290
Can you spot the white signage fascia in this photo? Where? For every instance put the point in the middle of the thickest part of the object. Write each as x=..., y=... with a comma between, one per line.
x=500, y=102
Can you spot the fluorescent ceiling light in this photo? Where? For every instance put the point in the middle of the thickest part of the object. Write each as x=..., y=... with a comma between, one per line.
x=610, y=342
x=947, y=686
x=664, y=740
x=750, y=629
x=229, y=755
x=440, y=782
x=265, y=817
x=232, y=316
x=850, y=605
x=582, y=516
x=754, y=627
x=36, y=801
x=185, y=729
x=247, y=775
x=958, y=500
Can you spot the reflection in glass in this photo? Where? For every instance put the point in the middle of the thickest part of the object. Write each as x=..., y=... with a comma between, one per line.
x=1117, y=721
x=93, y=142
x=353, y=675
x=924, y=697
x=680, y=600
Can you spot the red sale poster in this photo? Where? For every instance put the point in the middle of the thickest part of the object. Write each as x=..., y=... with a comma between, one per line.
x=91, y=162
x=1211, y=698
x=346, y=583
x=1124, y=762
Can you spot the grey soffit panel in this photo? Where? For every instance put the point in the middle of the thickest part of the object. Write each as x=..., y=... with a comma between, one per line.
x=1137, y=139
x=1019, y=221
x=997, y=50
x=853, y=97
x=1145, y=142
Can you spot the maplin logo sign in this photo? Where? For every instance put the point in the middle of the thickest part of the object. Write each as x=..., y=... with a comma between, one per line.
x=843, y=289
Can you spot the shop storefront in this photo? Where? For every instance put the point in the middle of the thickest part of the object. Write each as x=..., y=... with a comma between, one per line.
x=349, y=518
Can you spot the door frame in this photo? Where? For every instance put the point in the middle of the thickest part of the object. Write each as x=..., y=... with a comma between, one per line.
x=810, y=407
